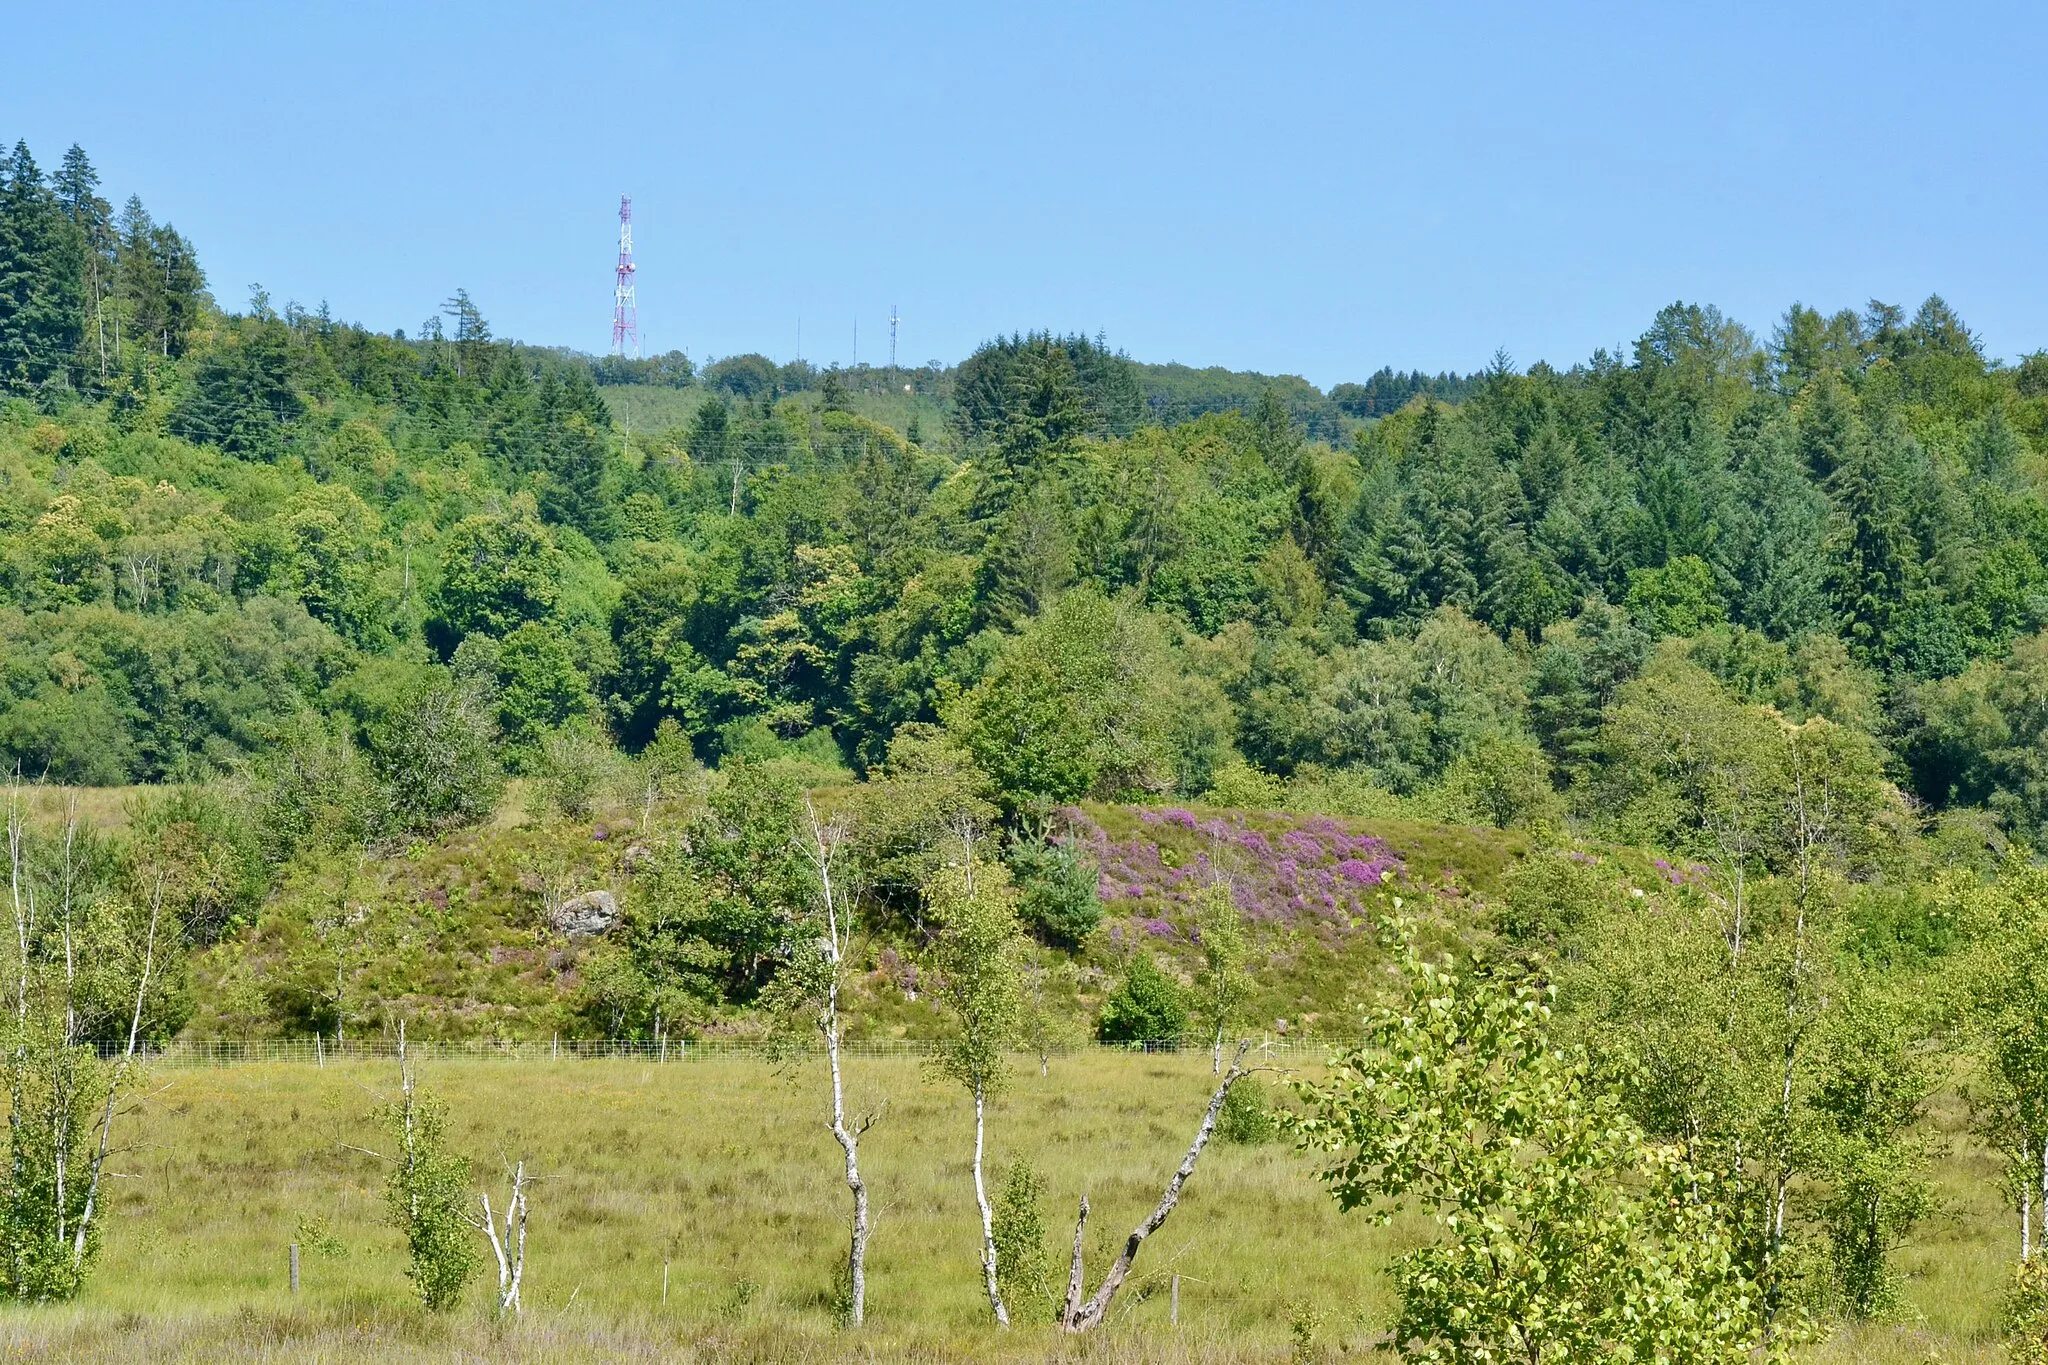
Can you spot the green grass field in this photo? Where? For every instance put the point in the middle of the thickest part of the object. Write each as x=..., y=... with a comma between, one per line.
x=654, y=408
x=723, y=1170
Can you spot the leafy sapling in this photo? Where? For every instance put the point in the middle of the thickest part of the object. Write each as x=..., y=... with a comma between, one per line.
x=808, y=991
x=1224, y=984
x=428, y=1191
x=978, y=956
x=1019, y=1235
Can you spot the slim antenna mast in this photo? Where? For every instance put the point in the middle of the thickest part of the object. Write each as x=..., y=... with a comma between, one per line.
x=892, y=336
x=625, y=312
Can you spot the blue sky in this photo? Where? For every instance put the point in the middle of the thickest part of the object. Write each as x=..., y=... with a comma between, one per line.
x=1317, y=189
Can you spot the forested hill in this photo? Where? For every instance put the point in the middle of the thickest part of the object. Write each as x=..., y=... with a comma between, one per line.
x=226, y=532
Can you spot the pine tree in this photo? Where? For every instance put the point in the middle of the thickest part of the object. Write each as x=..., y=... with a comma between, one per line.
x=1777, y=541
x=42, y=278
x=1873, y=556
x=77, y=187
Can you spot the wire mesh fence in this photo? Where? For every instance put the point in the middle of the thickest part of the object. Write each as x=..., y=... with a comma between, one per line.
x=318, y=1051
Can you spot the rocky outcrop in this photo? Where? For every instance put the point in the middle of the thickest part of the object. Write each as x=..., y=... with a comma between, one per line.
x=587, y=915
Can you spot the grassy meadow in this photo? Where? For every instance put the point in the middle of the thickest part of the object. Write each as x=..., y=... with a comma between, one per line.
x=723, y=1171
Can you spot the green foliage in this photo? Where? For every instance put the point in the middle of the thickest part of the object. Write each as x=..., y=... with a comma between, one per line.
x=707, y=918
x=1552, y=894
x=428, y=1196
x=1148, y=1006
x=206, y=851
x=232, y=514
x=314, y=790
x=434, y=749
x=915, y=807
x=1078, y=704
x=2024, y=1314
x=1248, y=1117
x=1676, y=598
x=1224, y=984
x=499, y=570
x=1567, y=1233
x=42, y=259
x=977, y=959
x=1504, y=781
x=1874, y=1082
x=1237, y=785
x=90, y=965
x=56, y=1087
x=1022, y=1264
x=1056, y=886
x=2005, y=987
x=576, y=767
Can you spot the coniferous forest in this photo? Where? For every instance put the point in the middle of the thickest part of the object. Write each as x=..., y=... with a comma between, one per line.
x=1640, y=758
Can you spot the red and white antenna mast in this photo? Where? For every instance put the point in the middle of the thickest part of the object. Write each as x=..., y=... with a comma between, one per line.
x=625, y=313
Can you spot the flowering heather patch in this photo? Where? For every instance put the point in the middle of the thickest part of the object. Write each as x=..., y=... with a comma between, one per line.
x=1681, y=876
x=1305, y=872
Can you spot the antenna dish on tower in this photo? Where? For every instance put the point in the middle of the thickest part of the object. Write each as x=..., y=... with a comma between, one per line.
x=625, y=312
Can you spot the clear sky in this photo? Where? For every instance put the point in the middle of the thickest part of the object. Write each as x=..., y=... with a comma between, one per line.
x=1318, y=189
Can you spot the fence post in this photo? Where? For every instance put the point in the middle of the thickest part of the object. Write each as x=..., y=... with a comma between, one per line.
x=1173, y=1312
x=295, y=1267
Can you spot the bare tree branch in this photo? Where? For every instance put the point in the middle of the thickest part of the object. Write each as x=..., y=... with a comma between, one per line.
x=1081, y=1317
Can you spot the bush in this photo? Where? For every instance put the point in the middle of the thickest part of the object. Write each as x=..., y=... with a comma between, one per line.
x=1056, y=890
x=1248, y=1115
x=1505, y=782
x=436, y=753
x=314, y=790
x=1148, y=1007
x=1020, y=1244
x=2024, y=1314
x=1547, y=896
x=575, y=768
x=1239, y=786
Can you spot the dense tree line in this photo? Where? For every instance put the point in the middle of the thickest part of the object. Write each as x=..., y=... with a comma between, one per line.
x=237, y=516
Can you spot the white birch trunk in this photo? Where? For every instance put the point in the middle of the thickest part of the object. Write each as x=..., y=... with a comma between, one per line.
x=988, y=1227
x=99, y=1160
x=2026, y=1202
x=823, y=851
x=510, y=1250
x=1080, y=1317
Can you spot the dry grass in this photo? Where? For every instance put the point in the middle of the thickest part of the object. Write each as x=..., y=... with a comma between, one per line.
x=724, y=1170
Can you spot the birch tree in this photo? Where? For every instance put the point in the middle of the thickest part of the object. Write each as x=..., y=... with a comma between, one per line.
x=63, y=1098
x=2006, y=987
x=1567, y=1234
x=427, y=1191
x=810, y=988
x=979, y=956
x=1223, y=985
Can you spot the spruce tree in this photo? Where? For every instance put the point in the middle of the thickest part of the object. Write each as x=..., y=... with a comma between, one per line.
x=42, y=278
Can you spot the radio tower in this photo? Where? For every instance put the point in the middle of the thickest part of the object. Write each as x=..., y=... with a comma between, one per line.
x=892, y=336
x=625, y=313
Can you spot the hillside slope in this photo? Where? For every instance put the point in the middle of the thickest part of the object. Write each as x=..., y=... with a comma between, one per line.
x=455, y=935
